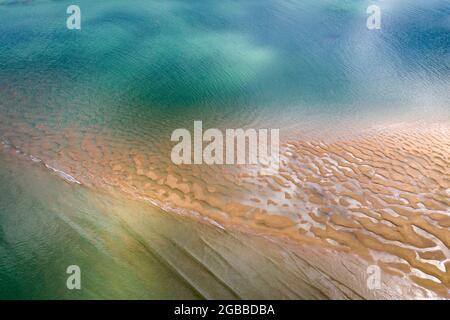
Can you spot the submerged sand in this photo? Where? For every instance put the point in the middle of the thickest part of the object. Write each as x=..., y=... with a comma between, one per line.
x=381, y=197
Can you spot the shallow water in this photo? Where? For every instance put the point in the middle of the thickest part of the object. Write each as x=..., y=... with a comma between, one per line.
x=132, y=250
x=153, y=67
x=96, y=108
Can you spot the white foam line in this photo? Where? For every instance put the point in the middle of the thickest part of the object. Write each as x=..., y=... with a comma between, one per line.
x=34, y=159
x=63, y=175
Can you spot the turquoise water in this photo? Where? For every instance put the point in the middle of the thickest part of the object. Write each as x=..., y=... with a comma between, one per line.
x=136, y=71
x=233, y=62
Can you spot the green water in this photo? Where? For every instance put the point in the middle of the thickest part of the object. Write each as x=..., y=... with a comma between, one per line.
x=48, y=225
x=127, y=249
x=136, y=71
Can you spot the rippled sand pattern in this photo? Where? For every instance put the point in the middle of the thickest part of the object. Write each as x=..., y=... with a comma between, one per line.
x=383, y=195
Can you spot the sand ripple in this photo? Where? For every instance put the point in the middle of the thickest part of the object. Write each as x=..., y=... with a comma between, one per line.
x=383, y=195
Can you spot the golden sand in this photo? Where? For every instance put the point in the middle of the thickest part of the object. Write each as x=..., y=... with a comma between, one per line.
x=383, y=195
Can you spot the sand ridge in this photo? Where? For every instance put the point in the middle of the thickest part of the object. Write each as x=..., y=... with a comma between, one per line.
x=383, y=195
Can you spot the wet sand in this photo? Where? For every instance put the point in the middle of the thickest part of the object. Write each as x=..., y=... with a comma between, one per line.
x=379, y=197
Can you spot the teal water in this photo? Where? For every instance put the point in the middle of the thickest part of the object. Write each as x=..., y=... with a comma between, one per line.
x=236, y=62
x=136, y=71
